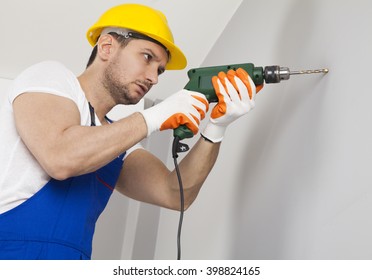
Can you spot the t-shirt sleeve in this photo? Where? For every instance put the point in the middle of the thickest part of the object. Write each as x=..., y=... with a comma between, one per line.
x=46, y=77
x=52, y=77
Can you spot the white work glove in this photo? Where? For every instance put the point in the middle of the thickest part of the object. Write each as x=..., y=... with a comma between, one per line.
x=236, y=94
x=182, y=108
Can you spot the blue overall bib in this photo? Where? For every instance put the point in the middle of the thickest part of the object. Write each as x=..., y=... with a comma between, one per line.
x=58, y=222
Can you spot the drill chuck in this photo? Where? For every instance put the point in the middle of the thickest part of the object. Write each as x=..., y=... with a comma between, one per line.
x=275, y=73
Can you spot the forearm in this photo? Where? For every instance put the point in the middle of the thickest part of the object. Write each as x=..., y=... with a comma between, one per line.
x=82, y=149
x=145, y=178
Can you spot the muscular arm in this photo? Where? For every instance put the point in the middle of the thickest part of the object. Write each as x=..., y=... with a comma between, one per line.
x=146, y=179
x=50, y=127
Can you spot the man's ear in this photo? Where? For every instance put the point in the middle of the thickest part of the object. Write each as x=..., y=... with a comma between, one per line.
x=105, y=46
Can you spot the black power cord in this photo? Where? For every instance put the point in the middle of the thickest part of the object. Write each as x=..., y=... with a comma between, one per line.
x=176, y=148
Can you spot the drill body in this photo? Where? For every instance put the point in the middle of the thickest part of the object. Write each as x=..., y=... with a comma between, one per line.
x=200, y=80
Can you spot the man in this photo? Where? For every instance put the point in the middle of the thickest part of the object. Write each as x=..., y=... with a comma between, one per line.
x=61, y=157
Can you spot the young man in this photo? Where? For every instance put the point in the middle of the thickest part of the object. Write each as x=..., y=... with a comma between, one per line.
x=61, y=157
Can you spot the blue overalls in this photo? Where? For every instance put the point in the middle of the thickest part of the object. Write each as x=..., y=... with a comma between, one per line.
x=58, y=222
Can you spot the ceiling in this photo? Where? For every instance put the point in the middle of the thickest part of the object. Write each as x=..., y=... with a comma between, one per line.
x=37, y=30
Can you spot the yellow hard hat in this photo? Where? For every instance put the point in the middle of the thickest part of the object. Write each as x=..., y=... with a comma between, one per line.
x=144, y=20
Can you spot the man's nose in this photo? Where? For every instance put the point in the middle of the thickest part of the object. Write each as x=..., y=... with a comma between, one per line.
x=152, y=76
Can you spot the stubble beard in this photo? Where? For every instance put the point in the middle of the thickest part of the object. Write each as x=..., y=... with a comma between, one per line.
x=120, y=92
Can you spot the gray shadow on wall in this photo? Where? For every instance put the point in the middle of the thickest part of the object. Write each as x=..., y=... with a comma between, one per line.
x=263, y=209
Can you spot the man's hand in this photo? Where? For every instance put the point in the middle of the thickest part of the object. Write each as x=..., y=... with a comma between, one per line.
x=182, y=108
x=236, y=94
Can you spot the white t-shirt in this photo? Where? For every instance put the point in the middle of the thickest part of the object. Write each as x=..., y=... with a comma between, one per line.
x=21, y=175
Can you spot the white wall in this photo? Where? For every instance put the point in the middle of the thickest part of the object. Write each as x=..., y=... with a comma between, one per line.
x=293, y=179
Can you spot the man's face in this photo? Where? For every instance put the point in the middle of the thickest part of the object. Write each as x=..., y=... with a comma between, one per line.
x=133, y=70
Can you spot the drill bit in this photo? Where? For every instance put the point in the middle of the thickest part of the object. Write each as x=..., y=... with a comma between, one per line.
x=317, y=71
x=275, y=73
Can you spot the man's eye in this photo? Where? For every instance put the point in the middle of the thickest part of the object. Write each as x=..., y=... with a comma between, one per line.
x=148, y=56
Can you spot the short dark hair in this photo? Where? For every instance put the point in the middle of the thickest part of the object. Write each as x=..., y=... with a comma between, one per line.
x=121, y=39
